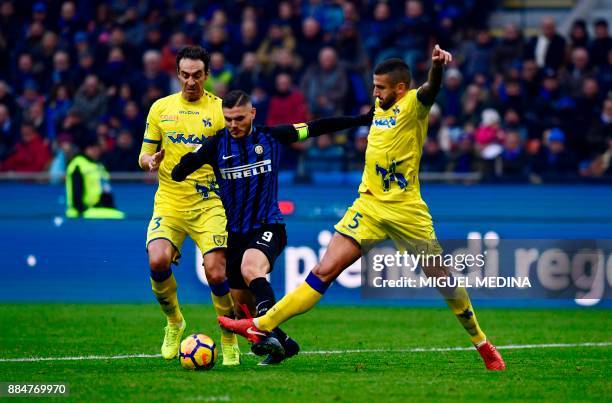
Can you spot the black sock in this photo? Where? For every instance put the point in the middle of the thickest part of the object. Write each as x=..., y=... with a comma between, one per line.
x=264, y=295
x=264, y=300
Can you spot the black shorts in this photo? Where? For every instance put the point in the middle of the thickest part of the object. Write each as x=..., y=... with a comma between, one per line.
x=270, y=239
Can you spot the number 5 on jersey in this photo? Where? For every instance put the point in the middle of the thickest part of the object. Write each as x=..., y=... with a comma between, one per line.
x=355, y=223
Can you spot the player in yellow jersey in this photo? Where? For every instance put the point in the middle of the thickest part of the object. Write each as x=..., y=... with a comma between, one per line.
x=177, y=124
x=389, y=205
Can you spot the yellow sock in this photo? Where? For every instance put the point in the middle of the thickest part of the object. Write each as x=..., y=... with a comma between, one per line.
x=459, y=303
x=224, y=306
x=165, y=292
x=296, y=302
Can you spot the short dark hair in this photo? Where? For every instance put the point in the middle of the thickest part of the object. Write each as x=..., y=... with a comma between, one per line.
x=397, y=69
x=193, y=53
x=601, y=22
x=235, y=98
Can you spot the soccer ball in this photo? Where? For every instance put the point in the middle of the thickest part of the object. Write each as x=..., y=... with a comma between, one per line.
x=198, y=352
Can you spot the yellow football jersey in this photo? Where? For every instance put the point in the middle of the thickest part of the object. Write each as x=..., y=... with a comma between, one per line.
x=179, y=127
x=393, y=154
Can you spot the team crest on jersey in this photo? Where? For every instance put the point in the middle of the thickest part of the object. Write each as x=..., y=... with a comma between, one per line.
x=388, y=176
x=219, y=240
x=206, y=191
x=259, y=149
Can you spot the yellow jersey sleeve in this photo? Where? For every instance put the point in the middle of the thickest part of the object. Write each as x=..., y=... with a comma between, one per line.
x=151, y=141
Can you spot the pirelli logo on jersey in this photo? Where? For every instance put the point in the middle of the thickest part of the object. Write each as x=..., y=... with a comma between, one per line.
x=245, y=171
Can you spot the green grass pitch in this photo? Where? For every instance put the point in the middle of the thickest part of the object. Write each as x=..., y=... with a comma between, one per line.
x=551, y=374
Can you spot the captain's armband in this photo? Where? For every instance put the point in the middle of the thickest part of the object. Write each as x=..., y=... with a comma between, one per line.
x=302, y=131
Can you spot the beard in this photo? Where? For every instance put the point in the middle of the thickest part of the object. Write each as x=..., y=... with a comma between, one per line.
x=386, y=104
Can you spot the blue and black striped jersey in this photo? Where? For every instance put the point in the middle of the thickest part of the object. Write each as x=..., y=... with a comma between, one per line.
x=247, y=173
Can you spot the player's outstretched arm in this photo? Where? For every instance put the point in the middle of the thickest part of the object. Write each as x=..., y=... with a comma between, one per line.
x=301, y=131
x=428, y=91
x=191, y=162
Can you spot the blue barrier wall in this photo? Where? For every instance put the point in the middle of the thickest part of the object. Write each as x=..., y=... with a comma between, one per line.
x=48, y=258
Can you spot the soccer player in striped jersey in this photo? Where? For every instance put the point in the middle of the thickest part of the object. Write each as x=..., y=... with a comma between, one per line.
x=389, y=205
x=245, y=159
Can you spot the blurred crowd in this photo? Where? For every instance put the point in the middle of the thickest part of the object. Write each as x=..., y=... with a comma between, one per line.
x=512, y=107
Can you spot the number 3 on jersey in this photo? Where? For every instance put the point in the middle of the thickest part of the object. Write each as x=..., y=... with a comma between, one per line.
x=355, y=223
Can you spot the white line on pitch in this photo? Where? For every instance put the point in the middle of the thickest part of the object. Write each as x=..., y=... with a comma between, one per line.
x=322, y=352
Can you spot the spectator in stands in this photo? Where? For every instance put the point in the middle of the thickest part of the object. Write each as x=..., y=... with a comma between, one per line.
x=116, y=71
x=25, y=73
x=509, y=50
x=215, y=40
x=478, y=55
x=311, y=41
x=449, y=97
x=433, y=159
x=513, y=156
x=248, y=74
x=153, y=40
x=64, y=151
x=247, y=42
x=91, y=101
x=602, y=164
x=220, y=74
x=325, y=85
x=474, y=101
x=588, y=109
x=287, y=104
x=131, y=119
x=602, y=43
x=124, y=156
x=324, y=155
x=285, y=61
x=177, y=41
x=579, y=35
x=31, y=153
x=351, y=51
x=62, y=72
x=577, y=71
x=604, y=75
x=35, y=114
x=548, y=48
x=278, y=37
x=601, y=130
x=377, y=34
x=554, y=158
x=463, y=158
x=513, y=122
x=544, y=112
x=152, y=74
x=6, y=99
x=489, y=131
x=8, y=132
x=530, y=79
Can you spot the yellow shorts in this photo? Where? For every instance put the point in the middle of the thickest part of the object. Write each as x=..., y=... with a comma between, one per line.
x=408, y=224
x=205, y=226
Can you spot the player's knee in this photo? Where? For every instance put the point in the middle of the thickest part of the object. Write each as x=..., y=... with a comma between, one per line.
x=159, y=261
x=326, y=272
x=215, y=275
x=250, y=272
